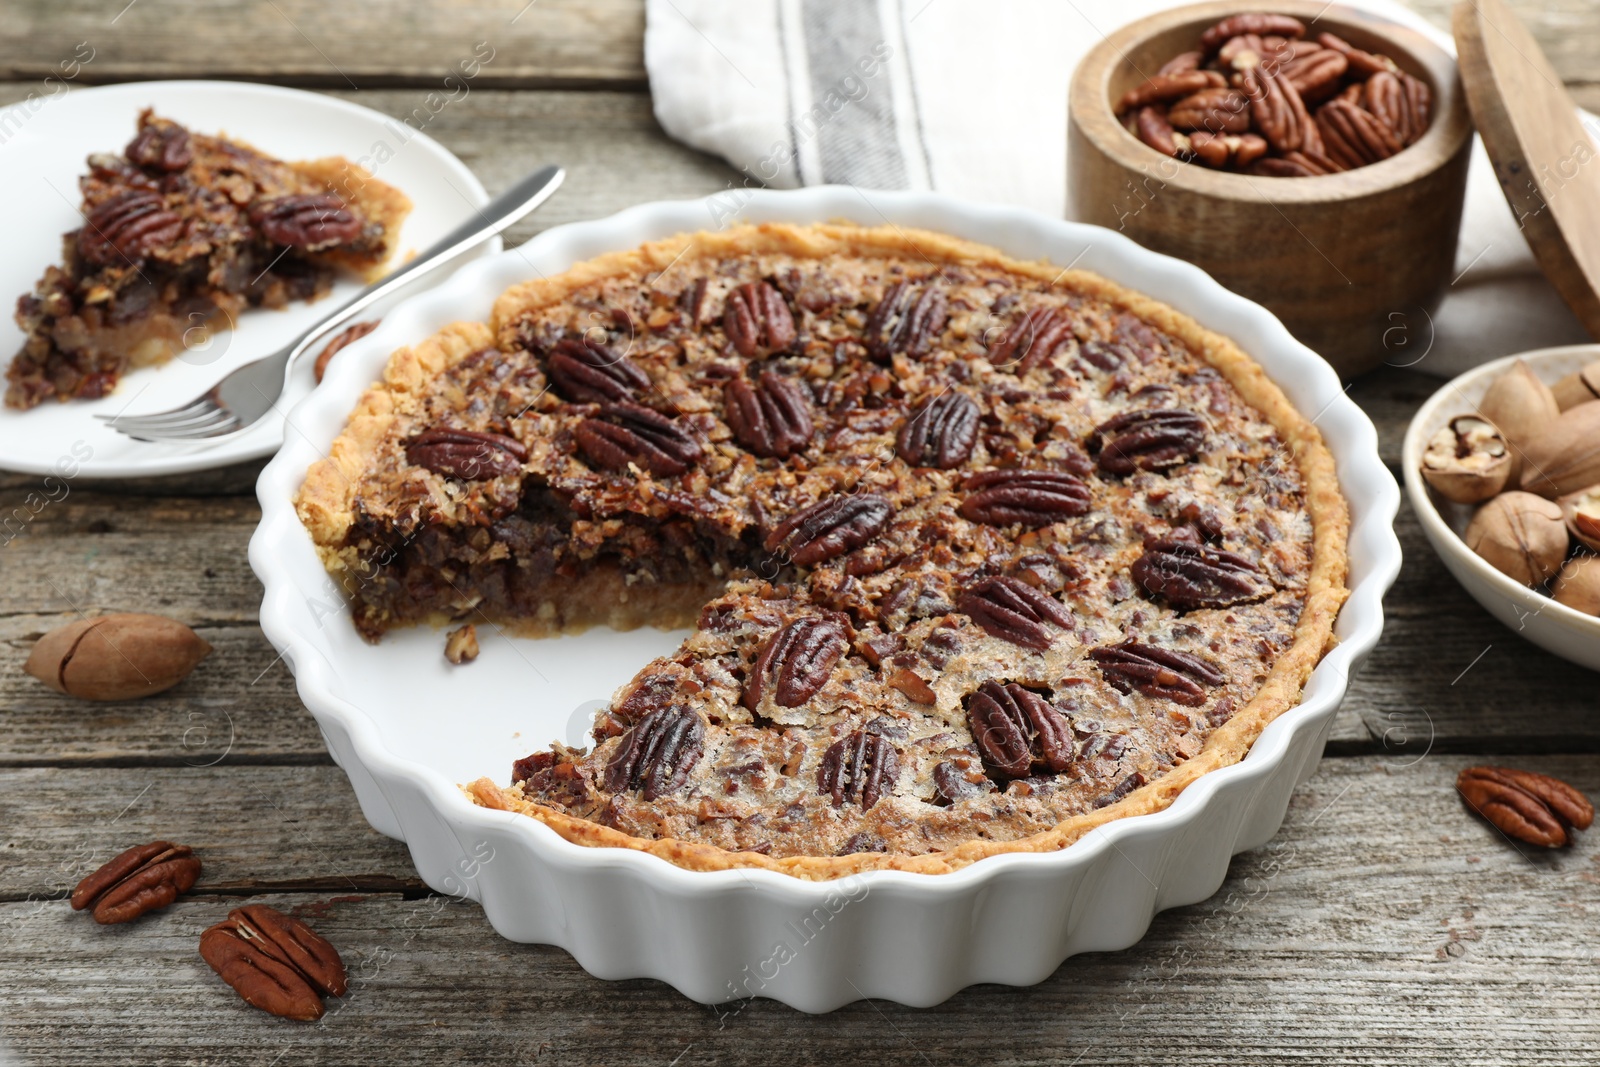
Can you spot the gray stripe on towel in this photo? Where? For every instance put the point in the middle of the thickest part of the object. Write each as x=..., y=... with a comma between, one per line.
x=856, y=139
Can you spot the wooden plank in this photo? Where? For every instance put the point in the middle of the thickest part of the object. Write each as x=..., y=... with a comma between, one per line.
x=517, y=43
x=1568, y=31
x=253, y=827
x=544, y=44
x=1384, y=924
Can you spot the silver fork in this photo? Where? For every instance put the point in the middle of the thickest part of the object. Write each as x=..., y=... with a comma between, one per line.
x=249, y=392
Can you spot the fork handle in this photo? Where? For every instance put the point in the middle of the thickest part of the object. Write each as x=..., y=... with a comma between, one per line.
x=493, y=217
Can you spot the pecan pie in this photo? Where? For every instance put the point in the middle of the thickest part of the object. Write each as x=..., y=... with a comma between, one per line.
x=180, y=233
x=978, y=553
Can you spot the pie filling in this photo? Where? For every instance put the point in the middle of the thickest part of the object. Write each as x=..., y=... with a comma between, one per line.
x=982, y=548
x=181, y=233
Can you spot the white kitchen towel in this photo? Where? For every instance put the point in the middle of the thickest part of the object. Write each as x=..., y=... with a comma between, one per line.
x=969, y=98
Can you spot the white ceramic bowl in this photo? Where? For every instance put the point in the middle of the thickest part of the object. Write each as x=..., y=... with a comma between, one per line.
x=407, y=728
x=1568, y=633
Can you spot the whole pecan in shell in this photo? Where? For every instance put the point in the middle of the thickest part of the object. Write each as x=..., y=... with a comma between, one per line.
x=1167, y=87
x=469, y=455
x=160, y=146
x=1212, y=110
x=1031, y=498
x=1254, y=22
x=1164, y=673
x=1148, y=440
x=771, y=417
x=906, y=320
x=859, y=768
x=940, y=433
x=657, y=753
x=127, y=227
x=1190, y=576
x=1530, y=807
x=830, y=528
x=274, y=961
x=756, y=318
x=1014, y=611
x=140, y=879
x=121, y=656
x=1016, y=728
x=307, y=221
x=590, y=373
x=797, y=661
x=629, y=434
x=1032, y=339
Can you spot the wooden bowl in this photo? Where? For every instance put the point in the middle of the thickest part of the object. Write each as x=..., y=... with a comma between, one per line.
x=1350, y=262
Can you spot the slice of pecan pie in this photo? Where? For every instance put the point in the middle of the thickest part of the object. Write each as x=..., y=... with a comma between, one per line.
x=180, y=233
x=978, y=553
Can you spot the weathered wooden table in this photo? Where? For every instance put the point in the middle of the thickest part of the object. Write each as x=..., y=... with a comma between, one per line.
x=1383, y=924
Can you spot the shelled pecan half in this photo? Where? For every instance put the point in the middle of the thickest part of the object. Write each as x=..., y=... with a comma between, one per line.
x=797, y=661
x=1014, y=611
x=657, y=753
x=1530, y=807
x=1016, y=729
x=274, y=961
x=140, y=879
x=906, y=320
x=941, y=432
x=858, y=769
x=632, y=435
x=830, y=528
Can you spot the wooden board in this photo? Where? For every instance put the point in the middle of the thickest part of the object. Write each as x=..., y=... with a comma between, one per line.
x=1382, y=925
x=528, y=44
x=384, y=43
x=1544, y=158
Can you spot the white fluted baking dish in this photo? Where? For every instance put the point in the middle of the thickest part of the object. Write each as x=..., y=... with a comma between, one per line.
x=407, y=727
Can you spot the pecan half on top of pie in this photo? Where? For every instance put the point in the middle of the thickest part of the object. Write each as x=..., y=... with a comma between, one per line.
x=182, y=232
x=978, y=553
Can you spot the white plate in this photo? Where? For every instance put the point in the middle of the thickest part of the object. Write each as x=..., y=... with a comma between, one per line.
x=41, y=158
x=1567, y=632
x=407, y=727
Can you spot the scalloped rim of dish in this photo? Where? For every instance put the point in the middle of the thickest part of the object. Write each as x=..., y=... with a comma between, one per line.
x=1429, y=417
x=1310, y=383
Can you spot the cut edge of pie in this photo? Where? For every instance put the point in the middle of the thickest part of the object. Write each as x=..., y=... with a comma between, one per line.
x=326, y=506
